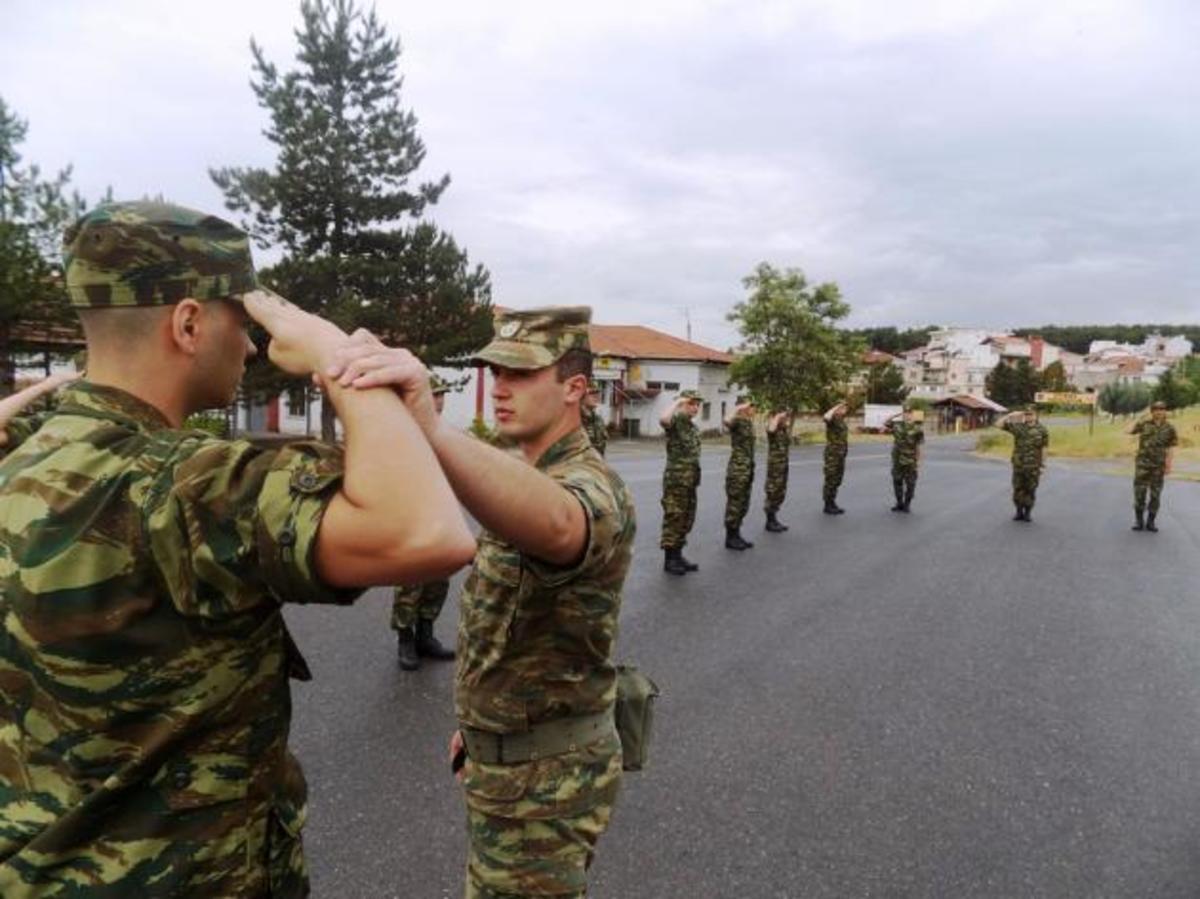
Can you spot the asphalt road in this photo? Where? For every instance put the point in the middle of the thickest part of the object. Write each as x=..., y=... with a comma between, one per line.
x=941, y=704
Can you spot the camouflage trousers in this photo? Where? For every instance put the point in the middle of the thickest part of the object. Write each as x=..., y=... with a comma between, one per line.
x=1025, y=485
x=739, y=484
x=532, y=827
x=776, y=488
x=422, y=601
x=835, y=470
x=1148, y=483
x=679, y=507
x=904, y=482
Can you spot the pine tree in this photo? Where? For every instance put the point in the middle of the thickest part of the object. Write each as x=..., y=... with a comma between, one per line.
x=339, y=201
x=33, y=213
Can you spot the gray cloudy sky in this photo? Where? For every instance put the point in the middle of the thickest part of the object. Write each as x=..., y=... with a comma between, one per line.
x=992, y=162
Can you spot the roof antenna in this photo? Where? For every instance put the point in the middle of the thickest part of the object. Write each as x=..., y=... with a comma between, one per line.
x=687, y=316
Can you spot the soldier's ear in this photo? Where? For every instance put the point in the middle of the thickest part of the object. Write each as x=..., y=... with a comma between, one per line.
x=186, y=319
x=576, y=388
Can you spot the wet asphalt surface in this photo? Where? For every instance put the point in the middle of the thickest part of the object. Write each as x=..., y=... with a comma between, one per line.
x=940, y=704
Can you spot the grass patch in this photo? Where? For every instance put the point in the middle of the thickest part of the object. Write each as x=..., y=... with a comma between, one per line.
x=1072, y=441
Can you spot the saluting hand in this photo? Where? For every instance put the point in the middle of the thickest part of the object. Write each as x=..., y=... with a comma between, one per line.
x=301, y=343
x=364, y=361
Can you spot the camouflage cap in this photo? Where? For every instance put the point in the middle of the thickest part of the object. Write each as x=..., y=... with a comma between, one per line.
x=691, y=395
x=1158, y=404
x=438, y=385
x=536, y=338
x=153, y=254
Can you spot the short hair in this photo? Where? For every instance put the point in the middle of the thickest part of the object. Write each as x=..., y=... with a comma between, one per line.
x=573, y=362
x=121, y=325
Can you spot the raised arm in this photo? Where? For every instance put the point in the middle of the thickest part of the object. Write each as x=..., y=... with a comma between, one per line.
x=395, y=518
x=506, y=494
x=12, y=406
x=669, y=415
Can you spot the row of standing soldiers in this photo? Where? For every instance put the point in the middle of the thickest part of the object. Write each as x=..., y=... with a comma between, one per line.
x=1031, y=439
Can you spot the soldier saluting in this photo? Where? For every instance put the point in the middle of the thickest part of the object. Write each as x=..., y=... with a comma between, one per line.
x=145, y=707
x=837, y=445
x=907, y=437
x=739, y=473
x=779, y=444
x=1156, y=447
x=681, y=478
x=1030, y=439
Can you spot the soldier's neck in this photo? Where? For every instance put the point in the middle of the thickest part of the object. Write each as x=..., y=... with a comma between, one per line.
x=139, y=380
x=534, y=448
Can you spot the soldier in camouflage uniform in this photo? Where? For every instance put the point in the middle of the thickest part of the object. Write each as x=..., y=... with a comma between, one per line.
x=907, y=436
x=1156, y=442
x=416, y=607
x=681, y=479
x=739, y=473
x=536, y=684
x=837, y=445
x=144, y=702
x=597, y=431
x=1030, y=439
x=779, y=444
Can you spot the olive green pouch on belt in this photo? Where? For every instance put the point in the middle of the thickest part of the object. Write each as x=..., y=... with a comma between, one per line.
x=634, y=715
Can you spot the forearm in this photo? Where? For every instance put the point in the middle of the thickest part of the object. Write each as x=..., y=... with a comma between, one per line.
x=397, y=512
x=12, y=406
x=511, y=498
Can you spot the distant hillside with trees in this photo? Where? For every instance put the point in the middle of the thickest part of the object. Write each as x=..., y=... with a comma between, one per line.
x=1076, y=338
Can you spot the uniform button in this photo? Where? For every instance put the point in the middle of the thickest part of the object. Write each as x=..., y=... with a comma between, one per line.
x=307, y=481
x=181, y=779
x=287, y=537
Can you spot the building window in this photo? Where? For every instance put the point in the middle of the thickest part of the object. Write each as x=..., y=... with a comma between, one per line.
x=662, y=385
x=722, y=410
x=296, y=402
x=706, y=412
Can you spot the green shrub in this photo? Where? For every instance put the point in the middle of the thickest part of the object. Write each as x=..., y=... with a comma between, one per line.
x=212, y=422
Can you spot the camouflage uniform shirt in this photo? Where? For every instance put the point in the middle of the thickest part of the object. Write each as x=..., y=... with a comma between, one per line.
x=596, y=431
x=1029, y=443
x=144, y=662
x=837, y=438
x=907, y=437
x=535, y=640
x=1154, y=441
x=683, y=446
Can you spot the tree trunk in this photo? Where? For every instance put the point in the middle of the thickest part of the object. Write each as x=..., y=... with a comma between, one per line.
x=8, y=373
x=328, y=431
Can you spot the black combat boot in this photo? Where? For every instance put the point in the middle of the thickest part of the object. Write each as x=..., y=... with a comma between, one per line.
x=1020, y=514
x=1027, y=512
x=1150, y=526
x=898, y=489
x=430, y=646
x=687, y=563
x=1139, y=516
x=734, y=540
x=406, y=649
x=909, y=491
x=774, y=525
x=673, y=562
x=831, y=508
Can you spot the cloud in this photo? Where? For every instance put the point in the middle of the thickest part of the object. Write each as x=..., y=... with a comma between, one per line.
x=995, y=162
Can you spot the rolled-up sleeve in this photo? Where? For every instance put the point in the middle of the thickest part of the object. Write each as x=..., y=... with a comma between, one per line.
x=237, y=526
